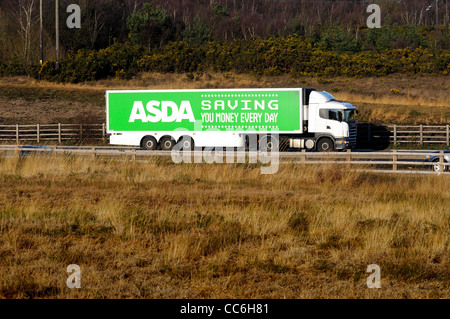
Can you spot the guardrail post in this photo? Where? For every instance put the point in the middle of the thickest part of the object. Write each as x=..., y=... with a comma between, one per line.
x=349, y=157
x=394, y=160
x=38, y=138
x=441, y=161
x=17, y=134
x=59, y=133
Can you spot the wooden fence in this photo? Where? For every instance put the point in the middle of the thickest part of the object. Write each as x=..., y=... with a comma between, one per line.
x=381, y=136
x=52, y=132
x=369, y=135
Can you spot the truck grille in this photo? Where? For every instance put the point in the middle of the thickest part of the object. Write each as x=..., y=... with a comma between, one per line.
x=352, y=134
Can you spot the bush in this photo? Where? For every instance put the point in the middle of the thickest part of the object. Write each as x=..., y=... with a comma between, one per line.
x=12, y=67
x=118, y=60
x=292, y=55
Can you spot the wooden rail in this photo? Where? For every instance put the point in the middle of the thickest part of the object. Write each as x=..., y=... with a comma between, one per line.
x=52, y=132
x=403, y=134
x=392, y=159
x=369, y=135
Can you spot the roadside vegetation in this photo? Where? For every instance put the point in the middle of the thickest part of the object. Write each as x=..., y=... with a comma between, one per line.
x=383, y=100
x=154, y=229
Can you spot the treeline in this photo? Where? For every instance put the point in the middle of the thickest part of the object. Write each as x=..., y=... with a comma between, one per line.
x=295, y=37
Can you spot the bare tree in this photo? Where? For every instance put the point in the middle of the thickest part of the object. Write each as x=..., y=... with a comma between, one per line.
x=22, y=11
x=95, y=17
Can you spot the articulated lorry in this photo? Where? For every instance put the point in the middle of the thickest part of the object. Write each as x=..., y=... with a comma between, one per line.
x=278, y=118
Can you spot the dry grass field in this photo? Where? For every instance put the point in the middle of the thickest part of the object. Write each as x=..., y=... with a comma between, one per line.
x=393, y=99
x=155, y=229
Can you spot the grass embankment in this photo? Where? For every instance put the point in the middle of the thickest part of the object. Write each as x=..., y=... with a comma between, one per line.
x=159, y=230
x=393, y=99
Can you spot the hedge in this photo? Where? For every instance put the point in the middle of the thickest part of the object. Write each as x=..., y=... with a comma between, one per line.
x=291, y=55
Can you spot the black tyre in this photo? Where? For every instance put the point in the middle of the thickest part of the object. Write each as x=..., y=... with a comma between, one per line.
x=149, y=143
x=251, y=143
x=268, y=143
x=167, y=143
x=187, y=143
x=325, y=145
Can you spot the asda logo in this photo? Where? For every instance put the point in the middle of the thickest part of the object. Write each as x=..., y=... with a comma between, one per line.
x=164, y=111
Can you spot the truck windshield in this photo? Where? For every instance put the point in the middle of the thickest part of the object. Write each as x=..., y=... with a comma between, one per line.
x=349, y=115
x=337, y=115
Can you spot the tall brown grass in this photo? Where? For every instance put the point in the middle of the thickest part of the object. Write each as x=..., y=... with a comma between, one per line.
x=154, y=229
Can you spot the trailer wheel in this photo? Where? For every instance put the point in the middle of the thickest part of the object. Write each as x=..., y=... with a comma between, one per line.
x=268, y=143
x=187, y=143
x=325, y=145
x=167, y=143
x=149, y=143
x=251, y=143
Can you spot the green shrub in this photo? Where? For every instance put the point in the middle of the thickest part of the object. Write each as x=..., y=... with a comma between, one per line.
x=293, y=55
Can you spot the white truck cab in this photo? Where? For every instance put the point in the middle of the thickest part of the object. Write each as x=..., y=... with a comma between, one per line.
x=331, y=121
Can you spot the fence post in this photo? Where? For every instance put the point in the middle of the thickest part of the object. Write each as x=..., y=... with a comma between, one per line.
x=441, y=161
x=81, y=132
x=17, y=134
x=54, y=150
x=421, y=134
x=103, y=132
x=394, y=160
x=395, y=134
x=349, y=157
x=38, y=137
x=448, y=135
x=303, y=157
x=59, y=133
x=133, y=154
x=93, y=152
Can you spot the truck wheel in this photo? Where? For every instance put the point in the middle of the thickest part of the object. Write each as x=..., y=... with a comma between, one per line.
x=251, y=143
x=149, y=143
x=187, y=143
x=167, y=143
x=268, y=143
x=325, y=145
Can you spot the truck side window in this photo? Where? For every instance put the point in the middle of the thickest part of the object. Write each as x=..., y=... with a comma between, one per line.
x=323, y=113
x=333, y=115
